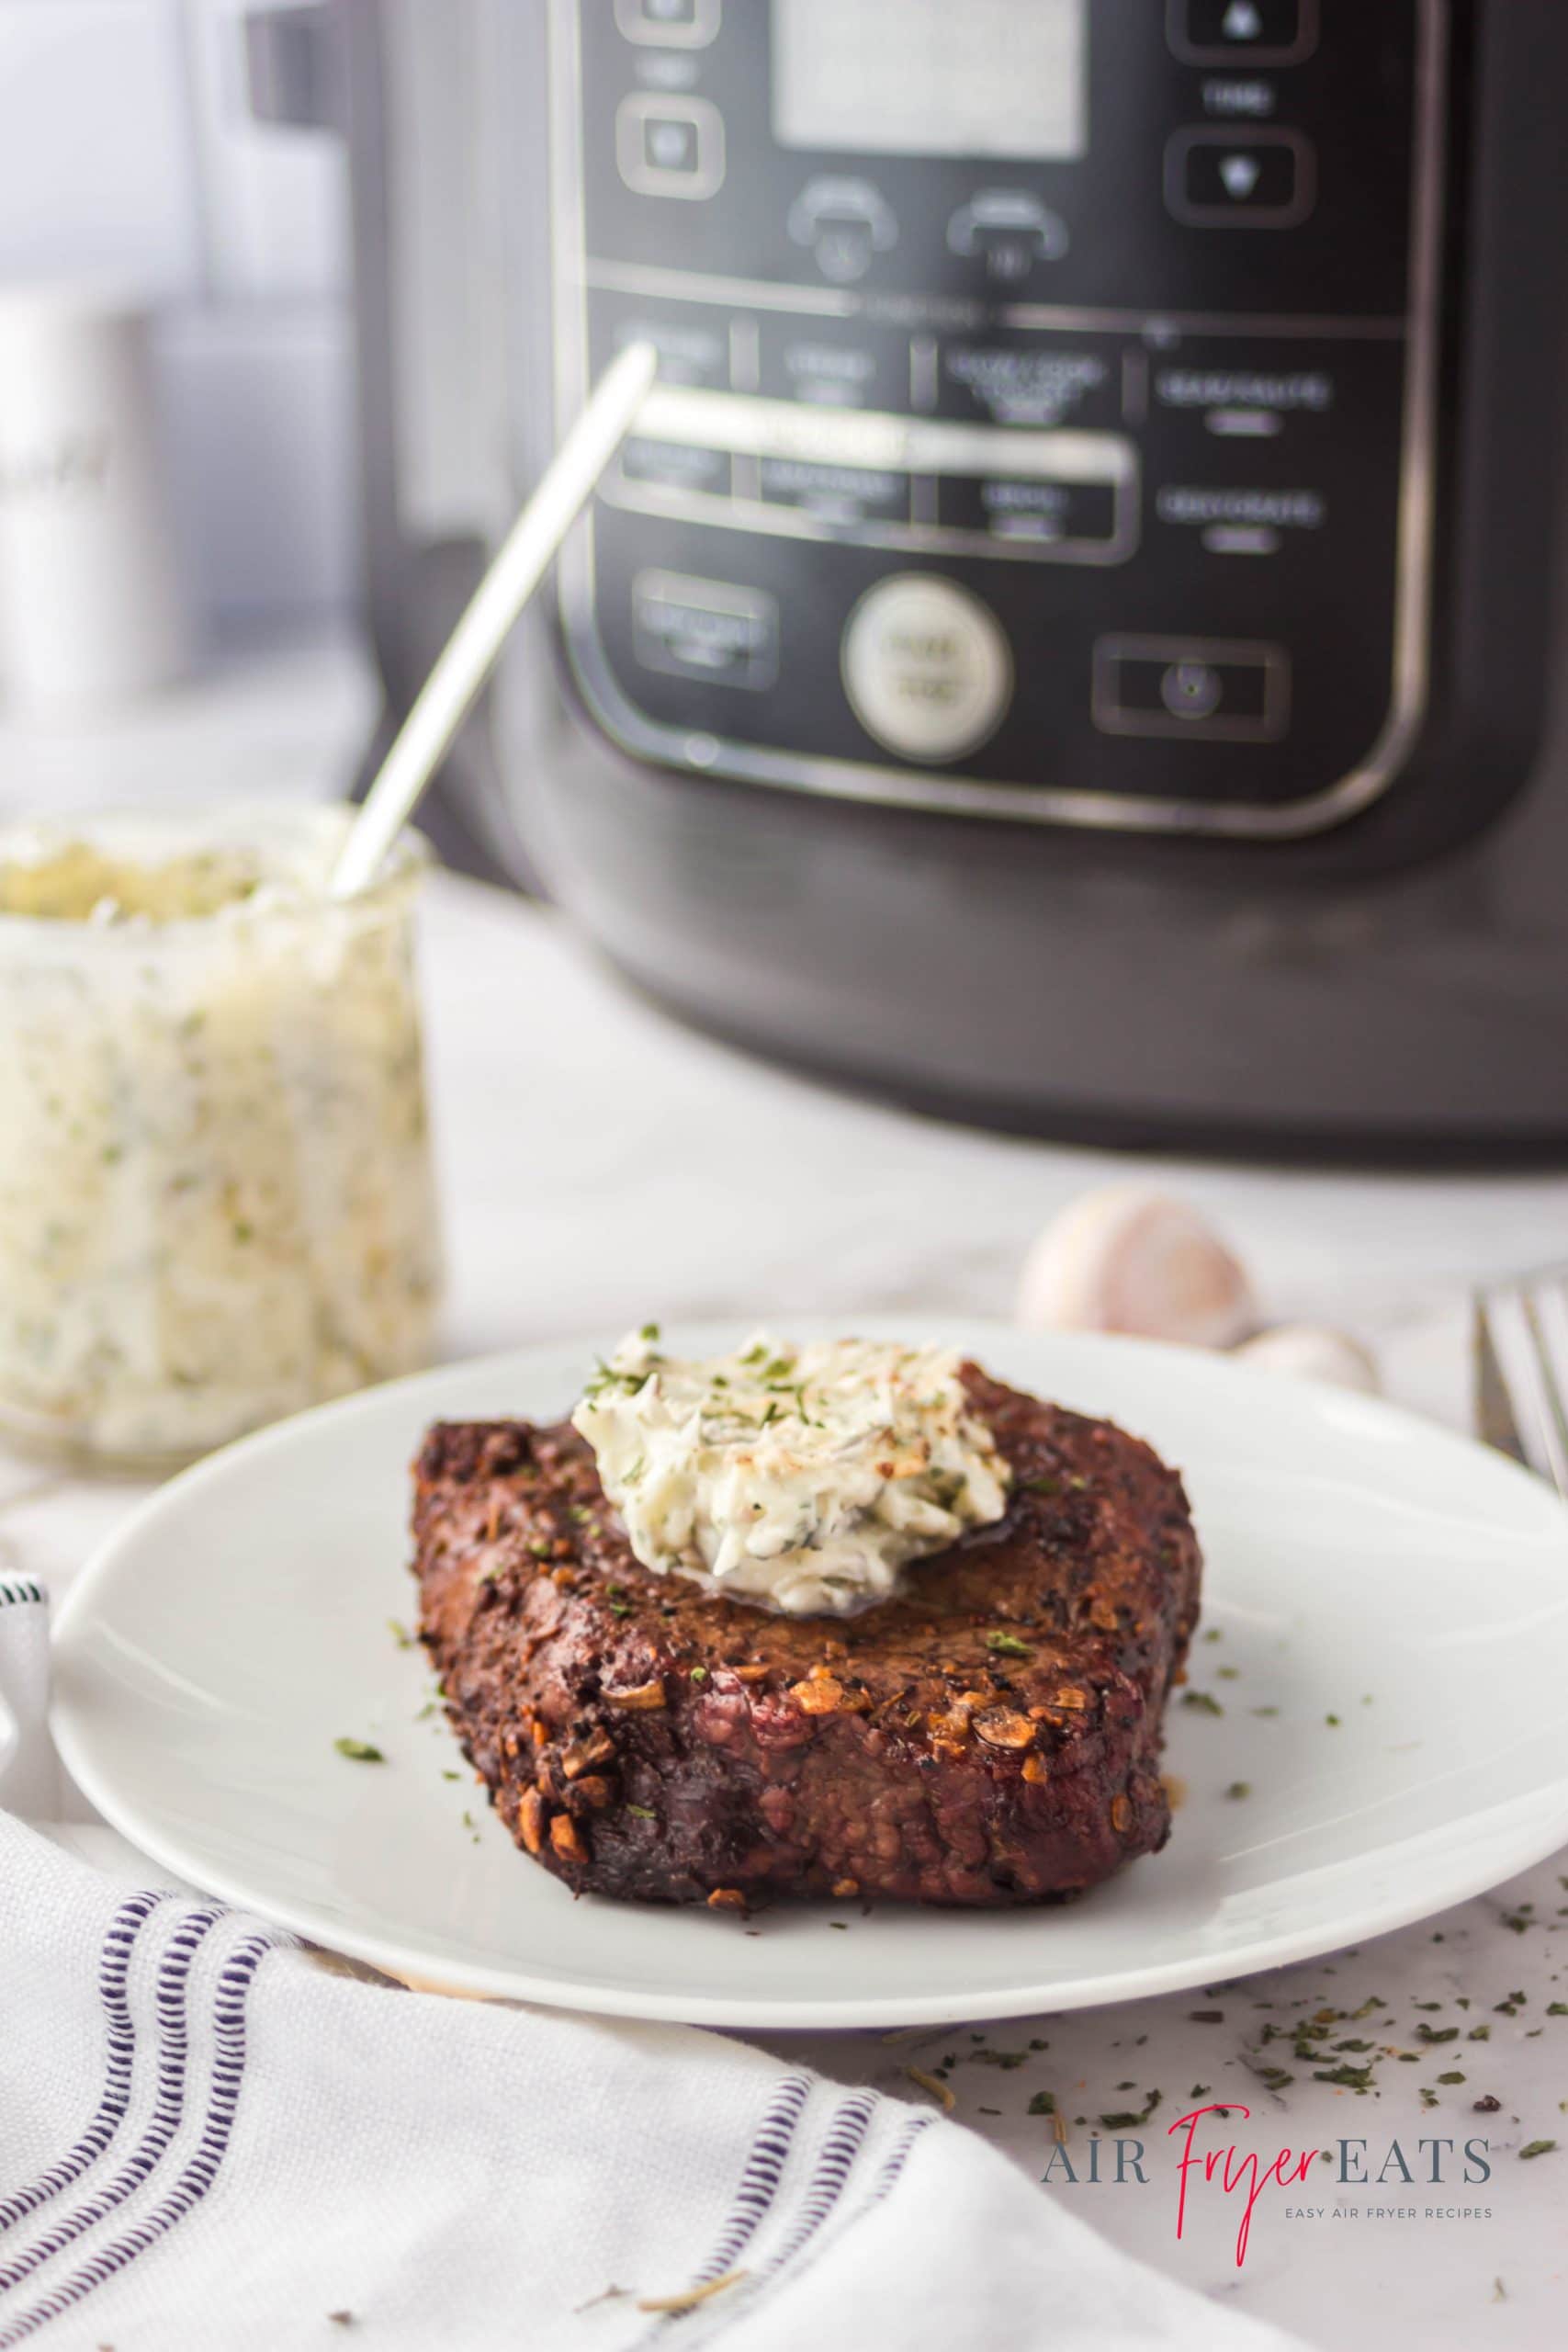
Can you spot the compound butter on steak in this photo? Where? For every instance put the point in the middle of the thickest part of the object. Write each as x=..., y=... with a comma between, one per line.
x=803, y=1478
x=986, y=1734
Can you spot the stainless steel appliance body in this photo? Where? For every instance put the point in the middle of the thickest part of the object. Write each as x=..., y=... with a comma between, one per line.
x=1075, y=639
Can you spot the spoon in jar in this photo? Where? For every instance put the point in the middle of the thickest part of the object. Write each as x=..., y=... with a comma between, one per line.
x=471, y=652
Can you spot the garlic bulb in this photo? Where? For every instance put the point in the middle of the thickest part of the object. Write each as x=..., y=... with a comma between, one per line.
x=1127, y=1260
x=1311, y=1352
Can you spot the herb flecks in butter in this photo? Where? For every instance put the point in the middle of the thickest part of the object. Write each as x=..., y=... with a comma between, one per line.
x=802, y=1478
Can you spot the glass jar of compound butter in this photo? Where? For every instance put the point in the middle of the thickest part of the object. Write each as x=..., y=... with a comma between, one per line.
x=215, y=1201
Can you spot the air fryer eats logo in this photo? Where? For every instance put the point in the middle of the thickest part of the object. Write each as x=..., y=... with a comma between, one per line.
x=1209, y=2164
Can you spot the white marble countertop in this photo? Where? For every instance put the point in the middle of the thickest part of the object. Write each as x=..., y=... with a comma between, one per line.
x=601, y=1165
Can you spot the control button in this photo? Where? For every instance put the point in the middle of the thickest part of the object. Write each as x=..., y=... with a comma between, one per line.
x=1215, y=690
x=677, y=465
x=669, y=24
x=669, y=146
x=1010, y=229
x=836, y=493
x=826, y=362
x=927, y=667
x=1246, y=402
x=1045, y=512
x=708, y=629
x=845, y=224
x=1030, y=381
x=1265, y=179
x=1262, y=32
x=1209, y=508
x=691, y=349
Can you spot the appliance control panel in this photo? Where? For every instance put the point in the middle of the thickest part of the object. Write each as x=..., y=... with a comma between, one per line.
x=1045, y=421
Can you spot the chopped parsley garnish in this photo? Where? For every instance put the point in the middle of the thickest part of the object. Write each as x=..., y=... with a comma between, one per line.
x=1350, y=2078
x=1007, y=1645
x=1125, y=2122
x=1273, y=2079
x=359, y=1751
x=604, y=1376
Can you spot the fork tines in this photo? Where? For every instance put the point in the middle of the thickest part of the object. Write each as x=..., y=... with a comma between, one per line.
x=1521, y=1373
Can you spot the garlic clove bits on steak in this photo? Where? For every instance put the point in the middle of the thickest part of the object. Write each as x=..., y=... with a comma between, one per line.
x=1124, y=1259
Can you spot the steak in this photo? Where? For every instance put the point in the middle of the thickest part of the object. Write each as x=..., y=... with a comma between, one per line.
x=991, y=1737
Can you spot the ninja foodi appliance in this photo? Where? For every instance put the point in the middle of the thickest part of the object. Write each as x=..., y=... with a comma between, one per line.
x=1071, y=640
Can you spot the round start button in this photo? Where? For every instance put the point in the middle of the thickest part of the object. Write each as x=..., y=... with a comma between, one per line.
x=927, y=667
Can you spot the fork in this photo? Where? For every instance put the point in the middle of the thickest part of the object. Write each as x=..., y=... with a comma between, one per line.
x=1521, y=1372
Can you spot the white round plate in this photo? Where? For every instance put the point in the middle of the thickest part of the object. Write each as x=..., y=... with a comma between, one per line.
x=1385, y=1637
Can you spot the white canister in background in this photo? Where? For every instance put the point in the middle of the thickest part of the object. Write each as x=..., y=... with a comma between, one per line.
x=91, y=601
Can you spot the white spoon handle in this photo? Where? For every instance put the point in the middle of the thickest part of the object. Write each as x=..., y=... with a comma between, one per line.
x=466, y=660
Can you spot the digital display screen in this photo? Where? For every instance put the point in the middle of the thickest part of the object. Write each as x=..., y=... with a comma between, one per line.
x=932, y=77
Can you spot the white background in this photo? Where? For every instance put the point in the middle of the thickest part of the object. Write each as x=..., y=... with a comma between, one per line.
x=126, y=153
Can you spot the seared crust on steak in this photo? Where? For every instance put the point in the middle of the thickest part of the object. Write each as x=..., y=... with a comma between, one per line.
x=992, y=1737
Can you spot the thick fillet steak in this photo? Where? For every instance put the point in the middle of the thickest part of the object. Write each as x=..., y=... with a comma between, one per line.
x=992, y=1737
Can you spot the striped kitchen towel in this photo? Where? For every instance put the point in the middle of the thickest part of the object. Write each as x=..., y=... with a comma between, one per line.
x=206, y=2139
